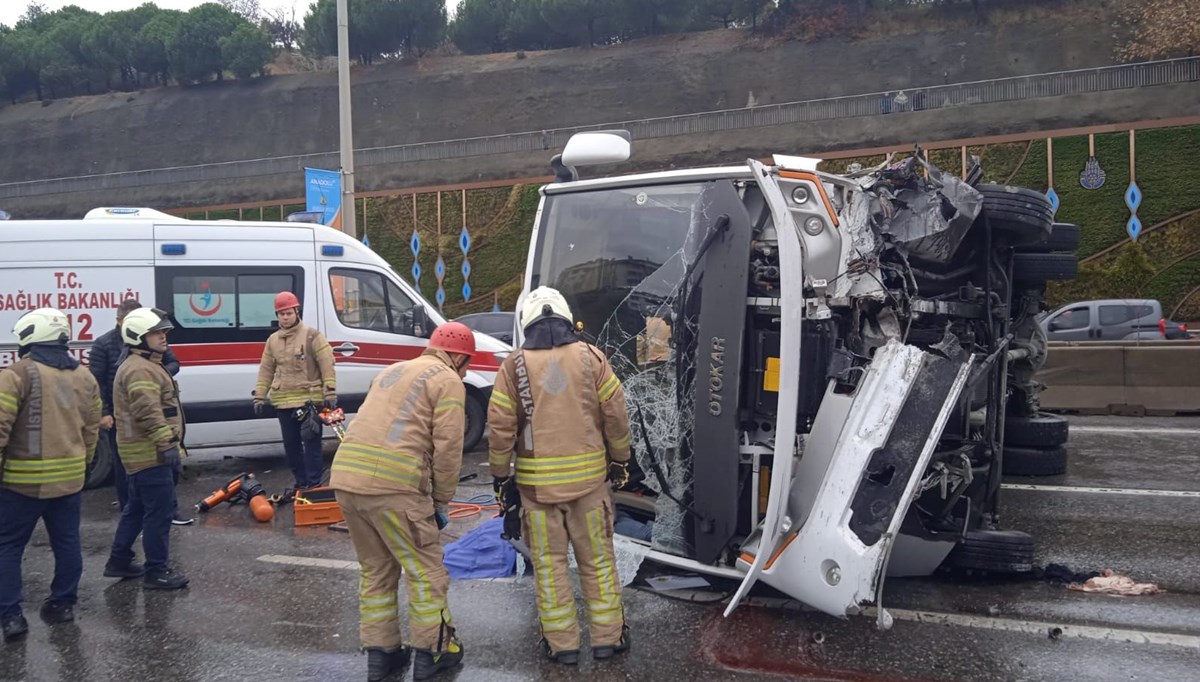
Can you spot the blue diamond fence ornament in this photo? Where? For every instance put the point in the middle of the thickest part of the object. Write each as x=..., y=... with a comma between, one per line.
x=464, y=241
x=466, y=268
x=441, y=297
x=439, y=269
x=416, y=273
x=1133, y=197
x=366, y=240
x=1092, y=176
x=495, y=307
x=1053, y=197
x=1133, y=227
x=466, y=291
x=415, y=244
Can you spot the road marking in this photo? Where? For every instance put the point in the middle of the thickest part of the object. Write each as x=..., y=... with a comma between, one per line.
x=1101, y=491
x=1135, y=430
x=309, y=561
x=1052, y=630
x=291, y=624
x=1045, y=629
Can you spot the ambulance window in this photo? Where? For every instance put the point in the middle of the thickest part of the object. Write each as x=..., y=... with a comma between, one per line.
x=256, y=299
x=202, y=302
x=368, y=300
x=224, y=304
x=398, y=303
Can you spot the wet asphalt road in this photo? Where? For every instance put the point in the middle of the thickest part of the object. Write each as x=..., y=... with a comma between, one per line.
x=247, y=619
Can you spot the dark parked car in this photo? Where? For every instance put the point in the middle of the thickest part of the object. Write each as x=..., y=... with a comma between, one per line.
x=497, y=325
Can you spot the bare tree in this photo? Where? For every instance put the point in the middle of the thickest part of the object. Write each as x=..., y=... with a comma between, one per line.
x=281, y=24
x=246, y=8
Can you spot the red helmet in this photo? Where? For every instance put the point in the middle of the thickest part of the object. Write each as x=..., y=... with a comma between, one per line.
x=285, y=300
x=453, y=337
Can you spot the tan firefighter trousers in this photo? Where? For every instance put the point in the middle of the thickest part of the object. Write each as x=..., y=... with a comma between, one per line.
x=587, y=523
x=391, y=534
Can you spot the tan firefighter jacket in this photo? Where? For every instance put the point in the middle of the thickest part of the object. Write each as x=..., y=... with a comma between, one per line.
x=296, y=368
x=408, y=434
x=560, y=410
x=49, y=425
x=147, y=411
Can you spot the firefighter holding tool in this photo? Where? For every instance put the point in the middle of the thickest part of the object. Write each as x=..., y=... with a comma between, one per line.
x=559, y=408
x=394, y=476
x=296, y=370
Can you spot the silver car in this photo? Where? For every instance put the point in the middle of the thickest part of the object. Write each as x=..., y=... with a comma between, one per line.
x=1111, y=319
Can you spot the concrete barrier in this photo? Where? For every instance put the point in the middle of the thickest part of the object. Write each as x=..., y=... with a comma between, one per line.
x=1123, y=377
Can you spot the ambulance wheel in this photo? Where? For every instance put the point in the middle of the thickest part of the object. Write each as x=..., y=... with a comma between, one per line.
x=476, y=417
x=99, y=472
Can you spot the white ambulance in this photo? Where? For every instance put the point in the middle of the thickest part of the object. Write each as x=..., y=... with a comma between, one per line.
x=219, y=279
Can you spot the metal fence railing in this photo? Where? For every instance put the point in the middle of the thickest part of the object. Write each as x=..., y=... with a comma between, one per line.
x=1101, y=79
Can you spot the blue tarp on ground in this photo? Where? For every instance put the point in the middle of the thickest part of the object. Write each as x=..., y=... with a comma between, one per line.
x=481, y=553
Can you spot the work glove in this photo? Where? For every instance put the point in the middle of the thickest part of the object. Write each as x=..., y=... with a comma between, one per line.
x=441, y=515
x=498, y=485
x=172, y=458
x=258, y=408
x=618, y=474
x=331, y=402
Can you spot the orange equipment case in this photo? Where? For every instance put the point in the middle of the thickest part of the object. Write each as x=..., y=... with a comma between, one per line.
x=316, y=507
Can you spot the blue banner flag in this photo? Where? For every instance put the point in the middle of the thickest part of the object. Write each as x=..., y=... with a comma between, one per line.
x=323, y=194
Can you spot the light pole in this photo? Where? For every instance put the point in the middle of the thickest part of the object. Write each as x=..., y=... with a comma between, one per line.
x=346, y=136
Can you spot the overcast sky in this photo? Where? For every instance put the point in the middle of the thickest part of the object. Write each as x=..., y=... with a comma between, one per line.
x=11, y=10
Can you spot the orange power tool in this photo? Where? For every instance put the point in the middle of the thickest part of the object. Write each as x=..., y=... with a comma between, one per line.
x=336, y=419
x=244, y=488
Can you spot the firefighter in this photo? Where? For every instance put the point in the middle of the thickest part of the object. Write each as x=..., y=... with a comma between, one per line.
x=106, y=355
x=394, y=476
x=49, y=424
x=296, y=371
x=150, y=431
x=559, y=408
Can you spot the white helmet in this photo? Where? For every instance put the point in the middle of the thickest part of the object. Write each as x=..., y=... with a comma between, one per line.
x=138, y=323
x=44, y=325
x=545, y=302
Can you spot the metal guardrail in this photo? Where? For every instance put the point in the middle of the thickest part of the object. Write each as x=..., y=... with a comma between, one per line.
x=1101, y=79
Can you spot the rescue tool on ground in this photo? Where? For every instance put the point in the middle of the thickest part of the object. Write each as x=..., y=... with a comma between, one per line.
x=242, y=488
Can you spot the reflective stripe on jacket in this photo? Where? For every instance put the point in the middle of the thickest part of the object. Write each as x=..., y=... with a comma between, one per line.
x=148, y=413
x=297, y=367
x=49, y=425
x=578, y=421
x=408, y=434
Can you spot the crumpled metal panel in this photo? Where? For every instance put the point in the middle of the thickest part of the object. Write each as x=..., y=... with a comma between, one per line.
x=929, y=219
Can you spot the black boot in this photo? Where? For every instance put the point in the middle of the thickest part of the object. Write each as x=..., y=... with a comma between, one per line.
x=384, y=662
x=428, y=664
x=14, y=626
x=568, y=657
x=130, y=569
x=165, y=579
x=601, y=653
x=54, y=612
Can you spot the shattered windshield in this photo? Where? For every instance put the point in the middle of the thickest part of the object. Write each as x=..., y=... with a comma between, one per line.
x=618, y=256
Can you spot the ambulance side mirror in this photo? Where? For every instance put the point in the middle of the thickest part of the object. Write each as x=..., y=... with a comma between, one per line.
x=422, y=328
